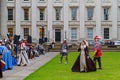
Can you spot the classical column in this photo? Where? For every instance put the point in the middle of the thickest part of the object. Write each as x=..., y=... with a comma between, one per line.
x=4, y=18
x=114, y=19
x=18, y=30
x=82, y=19
x=34, y=27
x=66, y=11
x=98, y=18
x=50, y=19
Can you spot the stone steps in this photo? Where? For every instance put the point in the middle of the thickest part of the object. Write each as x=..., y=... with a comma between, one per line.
x=105, y=48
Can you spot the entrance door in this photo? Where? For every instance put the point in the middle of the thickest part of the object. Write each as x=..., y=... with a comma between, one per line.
x=57, y=35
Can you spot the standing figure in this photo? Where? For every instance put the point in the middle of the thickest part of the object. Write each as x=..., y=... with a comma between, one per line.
x=41, y=49
x=23, y=55
x=64, y=52
x=97, y=51
x=53, y=44
x=83, y=63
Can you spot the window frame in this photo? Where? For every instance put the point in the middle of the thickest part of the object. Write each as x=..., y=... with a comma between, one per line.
x=10, y=15
x=106, y=13
x=26, y=33
x=58, y=13
x=106, y=33
x=90, y=13
x=26, y=14
x=74, y=13
x=73, y=34
x=90, y=34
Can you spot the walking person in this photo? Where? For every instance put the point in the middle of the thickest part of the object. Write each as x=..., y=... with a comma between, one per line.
x=23, y=55
x=64, y=52
x=83, y=62
x=97, y=51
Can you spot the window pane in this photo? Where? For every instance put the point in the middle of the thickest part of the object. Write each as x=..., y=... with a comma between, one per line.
x=26, y=32
x=74, y=34
x=90, y=33
x=106, y=13
x=26, y=14
x=10, y=30
x=90, y=13
x=74, y=13
x=26, y=0
x=106, y=33
x=42, y=13
x=10, y=14
x=58, y=13
x=10, y=0
x=41, y=32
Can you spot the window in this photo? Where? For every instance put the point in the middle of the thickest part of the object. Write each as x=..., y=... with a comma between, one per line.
x=90, y=33
x=90, y=1
x=10, y=30
x=10, y=0
x=26, y=14
x=118, y=33
x=73, y=34
x=26, y=0
x=73, y=0
x=118, y=13
x=58, y=13
x=106, y=13
x=10, y=14
x=74, y=13
x=57, y=0
x=106, y=33
x=42, y=14
x=41, y=32
x=90, y=13
x=26, y=32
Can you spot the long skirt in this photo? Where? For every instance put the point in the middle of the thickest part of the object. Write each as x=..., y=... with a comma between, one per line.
x=7, y=58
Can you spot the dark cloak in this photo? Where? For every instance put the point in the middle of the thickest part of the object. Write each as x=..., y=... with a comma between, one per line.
x=90, y=64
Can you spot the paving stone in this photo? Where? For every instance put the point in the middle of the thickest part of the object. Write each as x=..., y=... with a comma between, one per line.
x=20, y=72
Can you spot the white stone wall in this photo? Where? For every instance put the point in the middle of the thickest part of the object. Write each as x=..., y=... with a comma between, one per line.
x=98, y=24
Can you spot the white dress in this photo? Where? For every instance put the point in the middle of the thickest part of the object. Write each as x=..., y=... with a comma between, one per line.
x=82, y=59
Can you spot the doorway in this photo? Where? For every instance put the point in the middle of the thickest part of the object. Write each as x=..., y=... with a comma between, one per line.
x=57, y=35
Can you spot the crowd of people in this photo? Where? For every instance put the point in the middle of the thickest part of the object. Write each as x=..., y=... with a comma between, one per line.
x=83, y=63
x=17, y=55
x=12, y=54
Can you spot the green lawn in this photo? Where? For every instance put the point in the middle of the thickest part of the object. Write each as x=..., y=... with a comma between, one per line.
x=55, y=71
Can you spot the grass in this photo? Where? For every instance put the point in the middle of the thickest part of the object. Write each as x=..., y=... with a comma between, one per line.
x=55, y=71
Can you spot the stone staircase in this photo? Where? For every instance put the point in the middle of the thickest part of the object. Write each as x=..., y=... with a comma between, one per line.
x=73, y=47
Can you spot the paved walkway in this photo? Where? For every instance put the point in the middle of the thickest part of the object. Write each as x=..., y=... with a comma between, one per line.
x=20, y=72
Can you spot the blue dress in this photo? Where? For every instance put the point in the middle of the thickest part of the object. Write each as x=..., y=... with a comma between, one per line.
x=7, y=58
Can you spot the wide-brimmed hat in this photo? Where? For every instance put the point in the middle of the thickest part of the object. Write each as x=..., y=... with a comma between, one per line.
x=96, y=37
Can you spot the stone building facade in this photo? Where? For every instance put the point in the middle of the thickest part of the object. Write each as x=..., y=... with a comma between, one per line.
x=61, y=19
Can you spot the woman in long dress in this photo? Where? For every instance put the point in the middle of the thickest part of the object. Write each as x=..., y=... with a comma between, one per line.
x=83, y=63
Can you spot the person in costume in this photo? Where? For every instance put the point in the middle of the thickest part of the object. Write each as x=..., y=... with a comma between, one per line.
x=9, y=46
x=23, y=55
x=83, y=62
x=7, y=58
x=97, y=51
x=64, y=52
